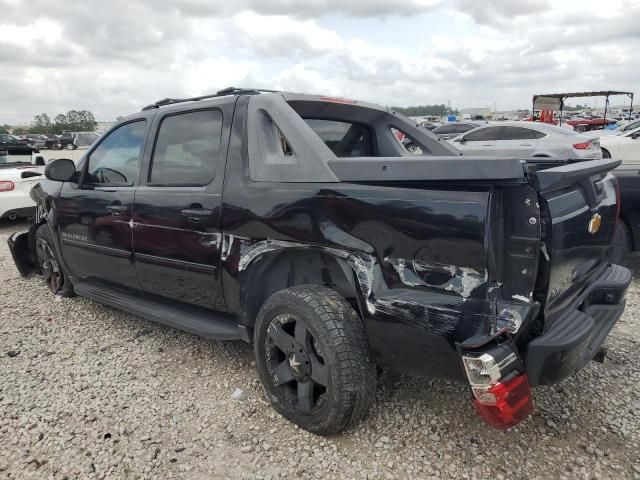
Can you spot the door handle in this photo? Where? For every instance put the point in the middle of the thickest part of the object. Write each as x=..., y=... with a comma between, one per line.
x=196, y=212
x=116, y=210
x=195, y=215
x=525, y=144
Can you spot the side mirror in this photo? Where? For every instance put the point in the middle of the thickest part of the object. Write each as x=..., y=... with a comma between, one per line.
x=60, y=170
x=459, y=140
x=635, y=135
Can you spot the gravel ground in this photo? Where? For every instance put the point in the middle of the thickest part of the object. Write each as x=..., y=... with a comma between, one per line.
x=89, y=392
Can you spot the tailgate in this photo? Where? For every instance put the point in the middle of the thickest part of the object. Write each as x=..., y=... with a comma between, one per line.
x=579, y=211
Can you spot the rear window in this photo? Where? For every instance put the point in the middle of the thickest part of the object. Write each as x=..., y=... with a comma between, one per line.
x=463, y=127
x=343, y=138
x=519, y=133
x=483, y=134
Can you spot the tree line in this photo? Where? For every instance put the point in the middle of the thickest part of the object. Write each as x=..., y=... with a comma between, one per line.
x=72, y=121
x=424, y=110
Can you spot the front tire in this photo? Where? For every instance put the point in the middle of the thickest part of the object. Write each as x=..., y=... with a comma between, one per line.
x=605, y=153
x=49, y=264
x=313, y=359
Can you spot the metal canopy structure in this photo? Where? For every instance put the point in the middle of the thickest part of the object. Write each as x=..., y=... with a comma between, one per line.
x=555, y=101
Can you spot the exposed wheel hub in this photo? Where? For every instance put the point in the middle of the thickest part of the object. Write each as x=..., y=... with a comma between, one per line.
x=299, y=363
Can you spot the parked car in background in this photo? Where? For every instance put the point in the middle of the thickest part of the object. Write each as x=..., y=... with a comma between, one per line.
x=66, y=141
x=37, y=140
x=85, y=139
x=18, y=173
x=14, y=145
x=52, y=141
x=74, y=140
x=527, y=139
x=620, y=129
x=429, y=125
x=452, y=130
x=625, y=146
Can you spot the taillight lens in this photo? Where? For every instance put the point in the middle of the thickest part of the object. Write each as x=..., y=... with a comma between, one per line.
x=6, y=185
x=505, y=403
x=502, y=395
x=583, y=146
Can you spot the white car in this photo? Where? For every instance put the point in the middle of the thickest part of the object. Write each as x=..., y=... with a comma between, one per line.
x=625, y=147
x=621, y=128
x=527, y=139
x=18, y=173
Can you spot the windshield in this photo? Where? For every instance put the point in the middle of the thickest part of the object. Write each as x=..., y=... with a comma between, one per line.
x=627, y=127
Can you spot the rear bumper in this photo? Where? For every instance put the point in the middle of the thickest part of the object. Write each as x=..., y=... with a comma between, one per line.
x=574, y=338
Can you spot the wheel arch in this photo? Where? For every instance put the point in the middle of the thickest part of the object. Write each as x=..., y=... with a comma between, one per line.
x=277, y=270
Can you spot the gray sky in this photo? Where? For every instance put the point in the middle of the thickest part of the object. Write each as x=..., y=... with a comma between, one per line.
x=114, y=56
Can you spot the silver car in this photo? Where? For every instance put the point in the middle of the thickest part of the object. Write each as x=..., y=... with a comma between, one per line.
x=453, y=129
x=527, y=139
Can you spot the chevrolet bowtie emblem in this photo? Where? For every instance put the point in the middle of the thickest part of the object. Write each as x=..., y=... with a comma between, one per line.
x=594, y=223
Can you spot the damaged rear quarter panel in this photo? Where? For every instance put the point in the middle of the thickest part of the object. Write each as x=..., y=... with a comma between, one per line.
x=417, y=256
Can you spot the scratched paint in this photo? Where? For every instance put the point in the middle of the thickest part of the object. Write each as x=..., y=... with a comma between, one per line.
x=362, y=264
x=434, y=319
x=462, y=280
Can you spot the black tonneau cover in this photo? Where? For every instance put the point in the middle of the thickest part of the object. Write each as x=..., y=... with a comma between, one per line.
x=381, y=169
x=569, y=174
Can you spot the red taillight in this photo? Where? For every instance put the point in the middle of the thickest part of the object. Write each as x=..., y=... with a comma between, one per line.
x=583, y=146
x=505, y=403
x=6, y=185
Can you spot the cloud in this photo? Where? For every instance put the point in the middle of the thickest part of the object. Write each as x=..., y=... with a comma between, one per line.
x=114, y=57
x=499, y=12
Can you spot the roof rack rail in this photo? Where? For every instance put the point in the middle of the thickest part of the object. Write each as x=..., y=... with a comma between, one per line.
x=220, y=93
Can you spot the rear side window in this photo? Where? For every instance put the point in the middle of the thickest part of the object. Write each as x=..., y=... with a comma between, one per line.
x=483, y=135
x=463, y=127
x=518, y=133
x=187, y=149
x=343, y=138
x=444, y=129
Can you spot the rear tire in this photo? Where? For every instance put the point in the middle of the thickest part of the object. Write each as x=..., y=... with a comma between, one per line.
x=622, y=244
x=313, y=359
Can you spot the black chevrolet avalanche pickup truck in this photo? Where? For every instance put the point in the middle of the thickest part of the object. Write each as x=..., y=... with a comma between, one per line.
x=302, y=224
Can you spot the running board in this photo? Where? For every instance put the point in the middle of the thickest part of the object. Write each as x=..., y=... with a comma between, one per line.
x=204, y=324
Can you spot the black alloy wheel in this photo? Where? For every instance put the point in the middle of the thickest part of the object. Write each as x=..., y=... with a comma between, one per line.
x=313, y=358
x=295, y=362
x=49, y=266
